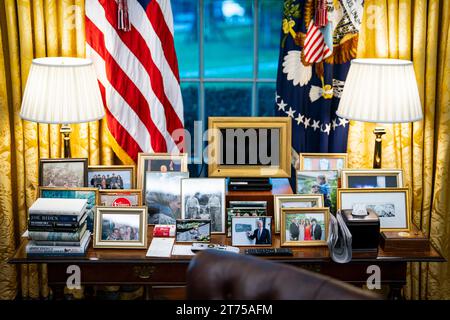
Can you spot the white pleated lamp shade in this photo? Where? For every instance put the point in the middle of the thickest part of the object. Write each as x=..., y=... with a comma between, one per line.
x=62, y=90
x=381, y=91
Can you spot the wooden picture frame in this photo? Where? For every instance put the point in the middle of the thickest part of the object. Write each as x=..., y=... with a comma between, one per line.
x=116, y=170
x=303, y=158
x=235, y=242
x=309, y=213
x=349, y=173
x=205, y=222
x=117, y=193
x=66, y=182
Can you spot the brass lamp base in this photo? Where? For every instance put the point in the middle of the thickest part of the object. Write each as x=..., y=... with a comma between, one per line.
x=379, y=132
x=66, y=130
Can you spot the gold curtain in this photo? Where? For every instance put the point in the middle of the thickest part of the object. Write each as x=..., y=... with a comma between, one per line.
x=31, y=29
x=418, y=31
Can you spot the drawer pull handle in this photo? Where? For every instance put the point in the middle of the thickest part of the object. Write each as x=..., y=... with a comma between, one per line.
x=144, y=272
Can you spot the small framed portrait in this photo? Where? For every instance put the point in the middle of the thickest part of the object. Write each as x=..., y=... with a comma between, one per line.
x=304, y=227
x=66, y=173
x=294, y=202
x=204, y=198
x=251, y=231
x=322, y=161
x=111, y=177
x=374, y=178
x=193, y=230
x=162, y=196
x=160, y=162
x=322, y=182
x=243, y=212
x=391, y=205
x=120, y=227
x=121, y=198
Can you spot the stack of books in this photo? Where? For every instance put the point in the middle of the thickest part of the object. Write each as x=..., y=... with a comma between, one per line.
x=58, y=227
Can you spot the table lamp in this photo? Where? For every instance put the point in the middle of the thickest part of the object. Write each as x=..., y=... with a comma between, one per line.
x=62, y=90
x=380, y=91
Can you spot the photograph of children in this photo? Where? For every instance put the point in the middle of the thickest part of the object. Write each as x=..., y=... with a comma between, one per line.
x=204, y=199
x=243, y=212
x=251, y=231
x=192, y=230
x=319, y=182
x=67, y=173
x=108, y=178
x=325, y=161
x=120, y=227
x=305, y=227
x=162, y=196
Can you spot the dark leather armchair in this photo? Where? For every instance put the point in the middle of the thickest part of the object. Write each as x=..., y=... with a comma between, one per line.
x=216, y=275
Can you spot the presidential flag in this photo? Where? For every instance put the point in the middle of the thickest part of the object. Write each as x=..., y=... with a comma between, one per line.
x=131, y=44
x=318, y=40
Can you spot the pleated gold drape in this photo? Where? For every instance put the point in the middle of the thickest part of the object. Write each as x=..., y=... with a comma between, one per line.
x=31, y=29
x=418, y=31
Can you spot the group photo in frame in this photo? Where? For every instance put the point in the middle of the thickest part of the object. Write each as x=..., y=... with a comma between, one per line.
x=294, y=201
x=304, y=226
x=120, y=227
x=66, y=172
x=204, y=198
x=391, y=205
x=192, y=230
x=111, y=177
x=373, y=178
x=251, y=231
x=120, y=198
x=322, y=161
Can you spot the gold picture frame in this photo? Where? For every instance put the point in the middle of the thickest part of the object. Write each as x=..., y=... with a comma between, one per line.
x=215, y=124
x=377, y=192
x=140, y=243
x=143, y=157
x=279, y=199
x=328, y=156
x=347, y=173
x=118, y=192
x=303, y=211
x=117, y=168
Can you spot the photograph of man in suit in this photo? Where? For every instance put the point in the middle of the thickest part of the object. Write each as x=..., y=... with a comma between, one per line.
x=316, y=230
x=261, y=234
x=294, y=230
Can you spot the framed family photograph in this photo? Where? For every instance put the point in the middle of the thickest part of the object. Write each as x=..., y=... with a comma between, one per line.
x=374, y=178
x=243, y=212
x=391, y=205
x=121, y=198
x=67, y=172
x=251, y=231
x=304, y=227
x=160, y=162
x=322, y=182
x=162, y=196
x=193, y=230
x=120, y=227
x=323, y=161
x=111, y=177
x=204, y=198
x=295, y=202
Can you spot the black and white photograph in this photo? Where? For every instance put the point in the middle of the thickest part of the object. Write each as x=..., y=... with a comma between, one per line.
x=203, y=198
x=251, y=231
x=67, y=173
x=193, y=230
x=383, y=210
x=376, y=178
x=162, y=196
x=111, y=177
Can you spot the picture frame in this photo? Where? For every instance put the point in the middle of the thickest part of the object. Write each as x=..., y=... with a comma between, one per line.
x=244, y=231
x=288, y=216
x=243, y=212
x=323, y=182
x=120, y=198
x=180, y=162
x=204, y=198
x=192, y=230
x=112, y=224
x=392, y=205
x=65, y=172
x=162, y=196
x=115, y=177
x=322, y=161
x=372, y=178
x=289, y=201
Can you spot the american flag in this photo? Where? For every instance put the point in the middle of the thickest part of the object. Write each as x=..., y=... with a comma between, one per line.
x=138, y=74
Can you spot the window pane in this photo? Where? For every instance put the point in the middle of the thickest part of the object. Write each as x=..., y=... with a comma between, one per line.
x=228, y=99
x=228, y=38
x=191, y=109
x=270, y=16
x=266, y=99
x=185, y=20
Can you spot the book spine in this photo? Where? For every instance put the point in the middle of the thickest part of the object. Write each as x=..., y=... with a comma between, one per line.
x=53, y=218
x=57, y=243
x=57, y=236
x=53, y=249
x=47, y=254
x=55, y=212
x=52, y=229
x=53, y=224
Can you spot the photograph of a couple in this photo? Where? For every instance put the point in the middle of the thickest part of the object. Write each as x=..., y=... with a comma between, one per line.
x=305, y=227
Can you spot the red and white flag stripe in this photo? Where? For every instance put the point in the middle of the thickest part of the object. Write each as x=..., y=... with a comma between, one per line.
x=315, y=49
x=137, y=73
